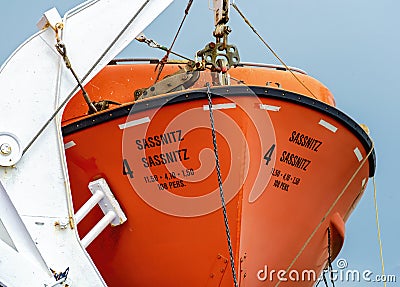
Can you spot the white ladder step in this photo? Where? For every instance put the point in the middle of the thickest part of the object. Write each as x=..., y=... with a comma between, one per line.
x=113, y=213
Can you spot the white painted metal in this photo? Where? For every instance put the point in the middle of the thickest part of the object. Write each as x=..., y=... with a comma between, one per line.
x=5, y=236
x=108, y=202
x=33, y=82
x=358, y=154
x=69, y=145
x=98, y=228
x=113, y=213
x=327, y=125
x=88, y=206
x=134, y=123
x=17, y=270
x=20, y=237
x=270, y=108
x=10, y=149
x=50, y=18
x=220, y=106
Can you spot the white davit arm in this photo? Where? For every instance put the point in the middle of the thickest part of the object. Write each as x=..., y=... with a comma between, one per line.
x=34, y=185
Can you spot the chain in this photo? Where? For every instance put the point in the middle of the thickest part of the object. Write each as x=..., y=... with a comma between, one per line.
x=323, y=279
x=330, y=258
x=329, y=267
x=221, y=192
x=62, y=50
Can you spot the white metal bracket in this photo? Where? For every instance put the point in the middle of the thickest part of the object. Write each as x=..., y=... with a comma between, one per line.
x=113, y=214
x=50, y=18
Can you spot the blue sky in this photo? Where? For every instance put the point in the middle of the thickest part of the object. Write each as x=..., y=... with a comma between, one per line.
x=350, y=46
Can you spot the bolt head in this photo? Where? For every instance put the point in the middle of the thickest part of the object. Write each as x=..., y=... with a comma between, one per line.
x=5, y=149
x=10, y=149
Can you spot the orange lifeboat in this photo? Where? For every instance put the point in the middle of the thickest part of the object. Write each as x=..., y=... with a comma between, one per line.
x=292, y=169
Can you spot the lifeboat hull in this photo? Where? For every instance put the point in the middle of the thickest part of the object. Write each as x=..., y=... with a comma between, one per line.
x=292, y=168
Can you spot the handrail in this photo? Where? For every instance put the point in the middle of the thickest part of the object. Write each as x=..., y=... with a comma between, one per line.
x=241, y=64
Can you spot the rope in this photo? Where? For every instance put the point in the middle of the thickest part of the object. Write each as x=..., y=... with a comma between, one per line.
x=347, y=185
x=153, y=44
x=379, y=230
x=270, y=48
x=165, y=58
x=327, y=213
x=221, y=192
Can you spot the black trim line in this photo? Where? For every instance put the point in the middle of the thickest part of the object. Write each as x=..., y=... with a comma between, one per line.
x=189, y=95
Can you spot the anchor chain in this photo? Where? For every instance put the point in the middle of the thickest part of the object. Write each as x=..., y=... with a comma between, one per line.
x=330, y=258
x=62, y=50
x=221, y=192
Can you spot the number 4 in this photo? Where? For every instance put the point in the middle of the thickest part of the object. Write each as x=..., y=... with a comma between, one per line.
x=126, y=169
x=268, y=155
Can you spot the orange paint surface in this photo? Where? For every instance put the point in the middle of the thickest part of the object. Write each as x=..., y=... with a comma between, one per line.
x=282, y=169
